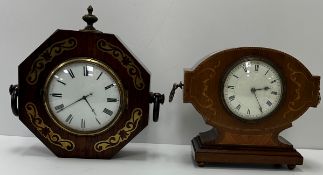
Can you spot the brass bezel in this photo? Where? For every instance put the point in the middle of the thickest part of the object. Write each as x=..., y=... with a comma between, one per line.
x=123, y=95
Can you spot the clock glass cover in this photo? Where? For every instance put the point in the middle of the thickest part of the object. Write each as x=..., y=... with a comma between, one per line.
x=252, y=89
x=83, y=96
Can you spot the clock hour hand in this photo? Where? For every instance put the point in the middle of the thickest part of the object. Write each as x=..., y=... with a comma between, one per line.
x=265, y=88
x=82, y=98
x=253, y=91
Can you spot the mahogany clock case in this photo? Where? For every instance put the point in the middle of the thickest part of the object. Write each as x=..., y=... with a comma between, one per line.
x=239, y=141
x=64, y=46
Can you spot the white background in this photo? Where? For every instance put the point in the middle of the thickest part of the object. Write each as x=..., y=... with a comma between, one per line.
x=168, y=36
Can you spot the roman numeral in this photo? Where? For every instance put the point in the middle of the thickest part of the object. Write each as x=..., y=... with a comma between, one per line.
x=248, y=111
x=238, y=107
x=99, y=76
x=235, y=76
x=56, y=95
x=59, y=107
x=85, y=71
x=61, y=82
x=107, y=111
x=112, y=100
x=83, y=123
x=109, y=86
x=256, y=67
x=273, y=92
x=273, y=81
x=244, y=68
x=231, y=87
x=267, y=72
x=71, y=73
x=69, y=119
x=268, y=103
x=231, y=98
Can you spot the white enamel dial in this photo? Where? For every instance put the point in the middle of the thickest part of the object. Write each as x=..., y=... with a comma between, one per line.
x=83, y=96
x=252, y=89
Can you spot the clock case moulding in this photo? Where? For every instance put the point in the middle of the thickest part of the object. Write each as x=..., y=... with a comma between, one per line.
x=232, y=140
x=27, y=100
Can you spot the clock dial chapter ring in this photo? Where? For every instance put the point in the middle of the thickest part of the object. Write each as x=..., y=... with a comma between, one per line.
x=84, y=96
x=252, y=89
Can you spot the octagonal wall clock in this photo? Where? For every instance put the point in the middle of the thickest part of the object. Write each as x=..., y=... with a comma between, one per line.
x=83, y=94
x=248, y=95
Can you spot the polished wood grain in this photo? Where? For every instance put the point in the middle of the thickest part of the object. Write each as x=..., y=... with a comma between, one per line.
x=203, y=88
x=86, y=46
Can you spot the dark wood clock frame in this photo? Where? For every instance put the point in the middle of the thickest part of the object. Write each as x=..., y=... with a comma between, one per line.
x=232, y=140
x=62, y=46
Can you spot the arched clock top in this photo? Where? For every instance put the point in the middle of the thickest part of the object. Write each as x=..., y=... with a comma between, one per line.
x=248, y=95
x=204, y=85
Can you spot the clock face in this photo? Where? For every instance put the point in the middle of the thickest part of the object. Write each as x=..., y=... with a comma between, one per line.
x=252, y=89
x=83, y=96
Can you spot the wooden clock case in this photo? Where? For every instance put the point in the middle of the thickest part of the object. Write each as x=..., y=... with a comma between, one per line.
x=64, y=45
x=232, y=140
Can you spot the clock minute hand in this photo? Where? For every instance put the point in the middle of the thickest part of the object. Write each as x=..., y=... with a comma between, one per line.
x=82, y=98
x=253, y=91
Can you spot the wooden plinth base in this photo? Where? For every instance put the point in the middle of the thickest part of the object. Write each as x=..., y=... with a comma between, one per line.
x=244, y=154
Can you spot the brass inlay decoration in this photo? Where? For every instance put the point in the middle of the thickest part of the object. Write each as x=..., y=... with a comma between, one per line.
x=205, y=92
x=123, y=134
x=204, y=100
x=46, y=131
x=125, y=60
x=47, y=56
x=296, y=104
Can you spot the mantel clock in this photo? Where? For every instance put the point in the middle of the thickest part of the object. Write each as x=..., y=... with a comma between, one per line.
x=248, y=95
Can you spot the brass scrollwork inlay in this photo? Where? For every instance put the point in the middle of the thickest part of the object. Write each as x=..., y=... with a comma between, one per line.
x=296, y=104
x=125, y=60
x=46, y=131
x=205, y=100
x=47, y=56
x=123, y=134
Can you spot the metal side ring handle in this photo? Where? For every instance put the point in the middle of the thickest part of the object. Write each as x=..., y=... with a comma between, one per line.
x=13, y=90
x=157, y=99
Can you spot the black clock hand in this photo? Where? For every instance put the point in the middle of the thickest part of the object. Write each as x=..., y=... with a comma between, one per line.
x=82, y=98
x=253, y=91
x=265, y=88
